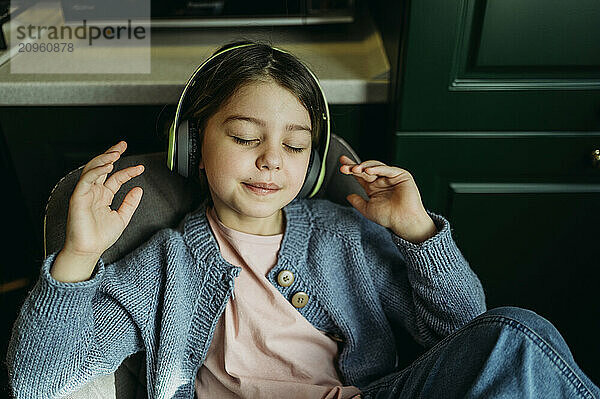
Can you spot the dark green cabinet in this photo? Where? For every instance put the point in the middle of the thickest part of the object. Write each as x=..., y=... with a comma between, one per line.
x=524, y=212
x=500, y=65
x=496, y=112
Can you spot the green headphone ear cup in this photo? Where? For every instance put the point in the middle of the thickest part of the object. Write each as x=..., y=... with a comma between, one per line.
x=312, y=174
x=182, y=144
x=186, y=154
x=194, y=148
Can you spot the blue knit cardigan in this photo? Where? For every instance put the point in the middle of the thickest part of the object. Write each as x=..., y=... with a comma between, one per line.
x=165, y=298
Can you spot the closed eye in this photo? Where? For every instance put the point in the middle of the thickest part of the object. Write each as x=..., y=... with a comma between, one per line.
x=241, y=141
x=249, y=142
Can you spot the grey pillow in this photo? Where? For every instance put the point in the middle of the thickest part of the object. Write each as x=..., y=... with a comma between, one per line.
x=167, y=198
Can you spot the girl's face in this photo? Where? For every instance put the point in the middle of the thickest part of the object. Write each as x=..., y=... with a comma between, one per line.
x=275, y=129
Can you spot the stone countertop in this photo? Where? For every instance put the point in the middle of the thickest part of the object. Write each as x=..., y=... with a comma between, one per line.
x=349, y=60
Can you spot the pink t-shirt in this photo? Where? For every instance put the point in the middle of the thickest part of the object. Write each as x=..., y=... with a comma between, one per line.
x=262, y=346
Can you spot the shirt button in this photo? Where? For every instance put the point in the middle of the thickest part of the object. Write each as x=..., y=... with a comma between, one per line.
x=300, y=299
x=285, y=278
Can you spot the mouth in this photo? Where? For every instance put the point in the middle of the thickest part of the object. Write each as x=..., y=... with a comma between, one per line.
x=262, y=189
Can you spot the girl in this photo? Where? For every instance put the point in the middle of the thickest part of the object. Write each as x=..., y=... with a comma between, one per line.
x=260, y=294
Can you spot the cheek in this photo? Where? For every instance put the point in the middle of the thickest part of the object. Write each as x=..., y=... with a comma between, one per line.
x=301, y=169
x=221, y=162
x=222, y=167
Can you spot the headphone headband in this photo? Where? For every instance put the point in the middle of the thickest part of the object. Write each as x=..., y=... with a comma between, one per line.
x=316, y=172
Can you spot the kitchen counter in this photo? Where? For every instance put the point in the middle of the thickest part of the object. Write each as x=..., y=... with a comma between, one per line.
x=349, y=60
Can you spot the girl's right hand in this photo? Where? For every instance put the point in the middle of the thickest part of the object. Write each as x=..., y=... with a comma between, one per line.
x=92, y=226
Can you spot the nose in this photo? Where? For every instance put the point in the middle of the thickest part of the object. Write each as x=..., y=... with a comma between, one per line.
x=270, y=158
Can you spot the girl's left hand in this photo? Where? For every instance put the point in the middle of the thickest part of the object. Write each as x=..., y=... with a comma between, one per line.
x=394, y=199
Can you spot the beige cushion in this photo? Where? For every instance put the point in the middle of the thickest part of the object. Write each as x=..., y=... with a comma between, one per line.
x=102, y=387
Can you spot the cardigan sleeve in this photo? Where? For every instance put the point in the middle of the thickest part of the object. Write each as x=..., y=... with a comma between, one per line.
x=429, y=288
x=66, y=334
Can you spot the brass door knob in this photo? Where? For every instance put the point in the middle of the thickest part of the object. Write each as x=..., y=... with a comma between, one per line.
x=596, y=158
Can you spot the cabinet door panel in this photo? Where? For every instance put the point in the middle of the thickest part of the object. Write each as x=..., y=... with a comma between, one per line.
x=438, y=159
x=500, y=65
x=536, y=247
x=524, y=212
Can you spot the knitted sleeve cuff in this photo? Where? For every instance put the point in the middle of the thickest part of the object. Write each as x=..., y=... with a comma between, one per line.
x=58, y=299
x=438, y=254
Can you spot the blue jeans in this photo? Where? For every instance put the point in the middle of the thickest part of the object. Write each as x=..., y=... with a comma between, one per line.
x=506, y=352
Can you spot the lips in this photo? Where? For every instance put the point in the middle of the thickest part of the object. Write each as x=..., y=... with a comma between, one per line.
x=269, y=186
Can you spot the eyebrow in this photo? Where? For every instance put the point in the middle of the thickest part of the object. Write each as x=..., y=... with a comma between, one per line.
x=290, y=127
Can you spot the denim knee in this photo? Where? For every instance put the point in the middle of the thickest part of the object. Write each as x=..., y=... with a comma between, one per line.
x=523, y=316
x=525, y=319
x=504, y=352
x=537, y=329
x=513, y=311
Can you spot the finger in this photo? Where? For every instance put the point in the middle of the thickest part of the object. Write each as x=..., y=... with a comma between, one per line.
x=362, y=175
x=365, y=177
x=366, y=164
x=392, y=173
x=347, y=163
x=100, y=160
x=390, y=180
x=354, y=168
x=116, y=180
x=345, y=160
x=130, y=204
x=110, y=155
x=87, y=179
x=388, y=175
x=384, y=170
x=381, y=176
x=102, y=178
x=120, y=146
x=91, y=175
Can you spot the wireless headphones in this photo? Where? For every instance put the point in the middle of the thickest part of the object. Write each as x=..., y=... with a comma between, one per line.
x=184, y=149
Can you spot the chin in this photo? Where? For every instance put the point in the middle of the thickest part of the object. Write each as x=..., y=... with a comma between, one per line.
x=260, y=211
x=267, y=208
